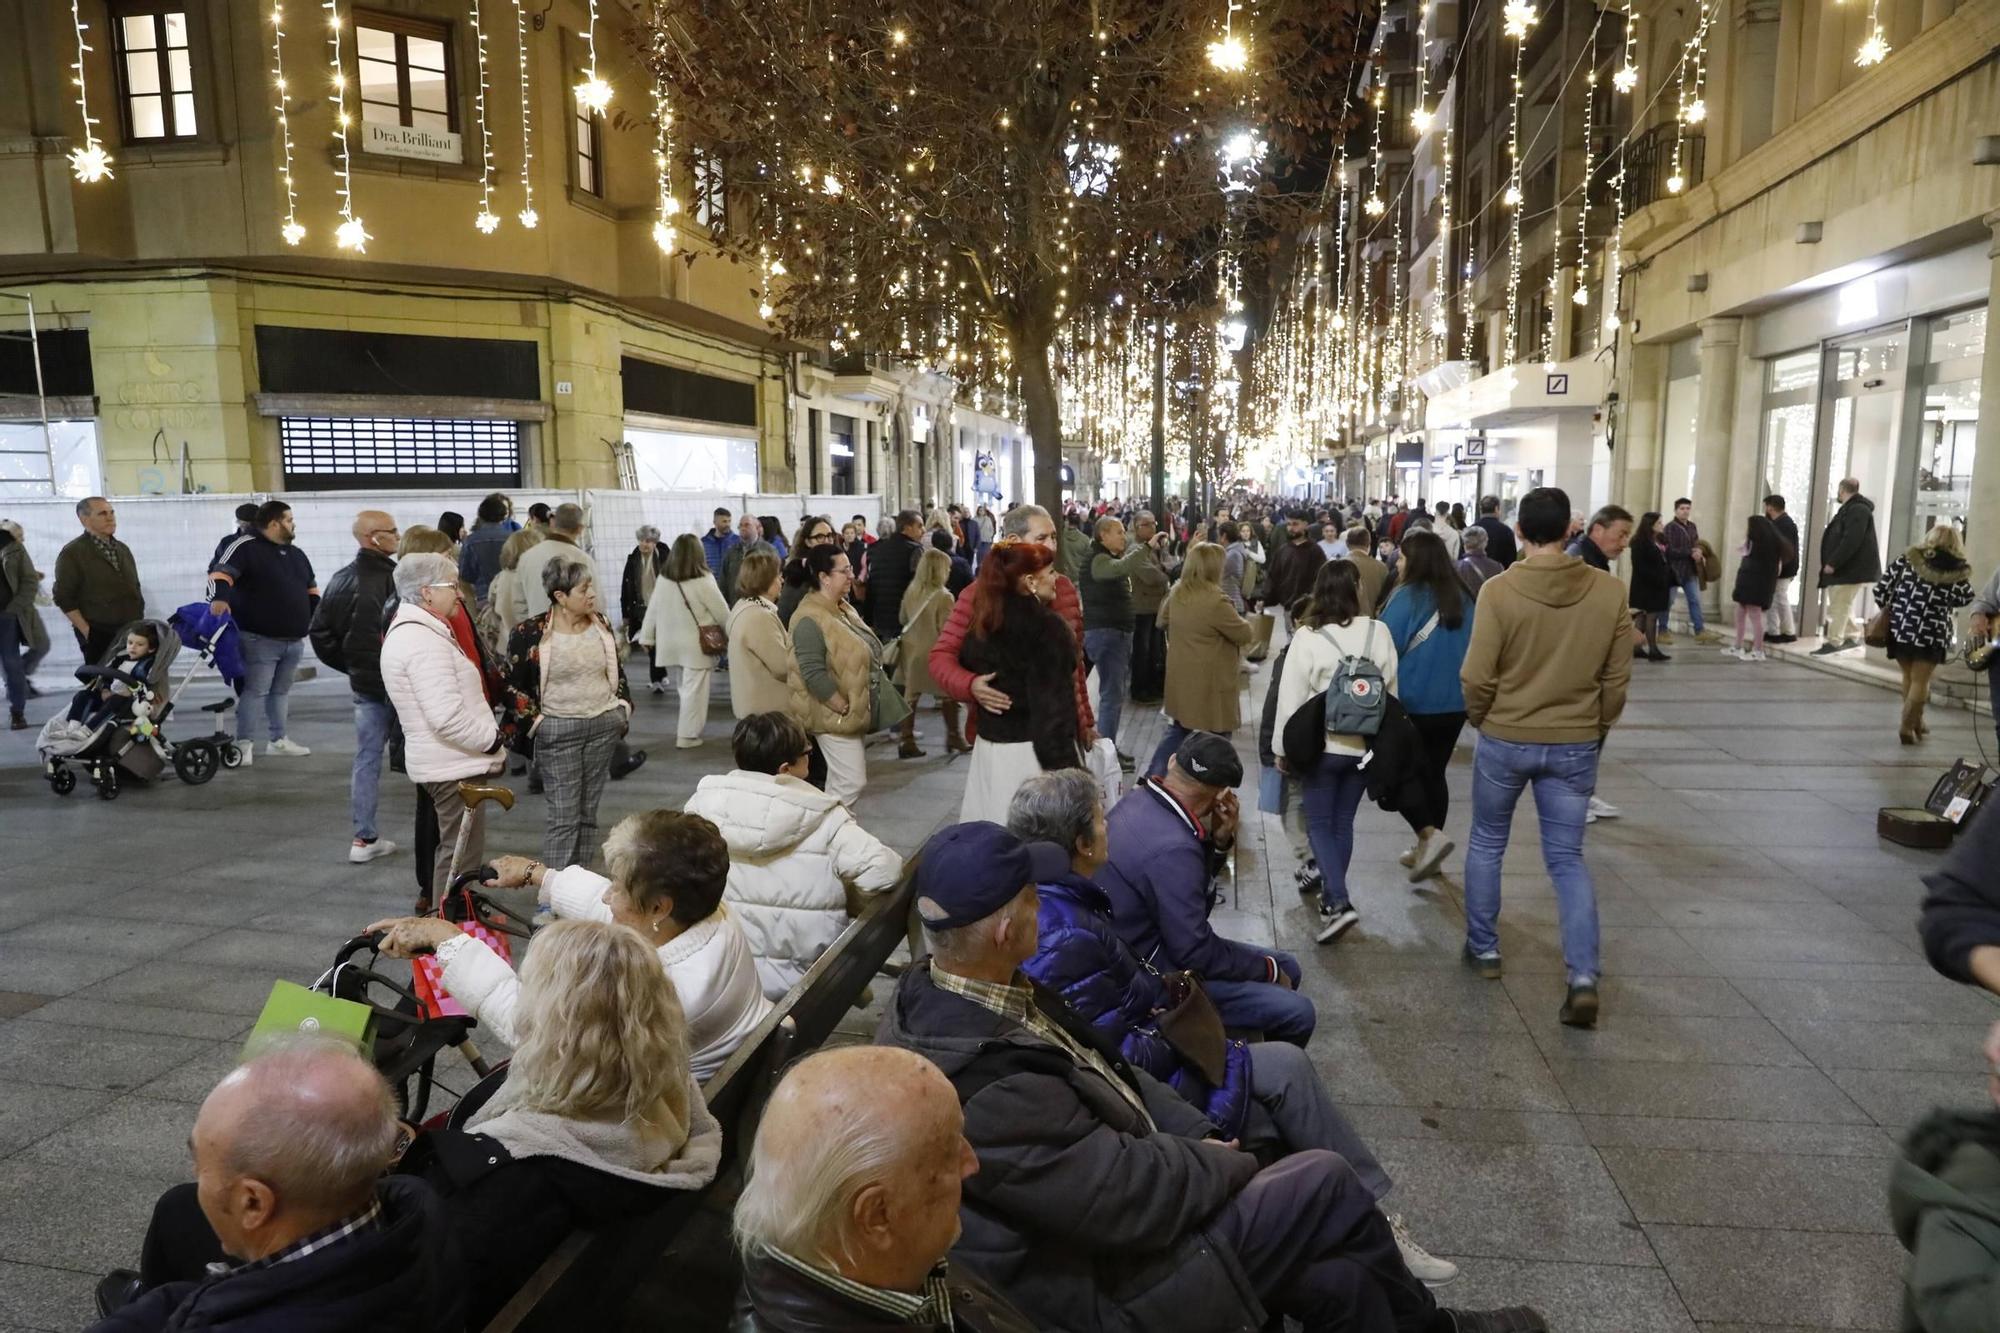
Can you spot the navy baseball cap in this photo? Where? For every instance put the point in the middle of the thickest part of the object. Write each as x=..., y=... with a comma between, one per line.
x=970, y=871
x=1210, y=760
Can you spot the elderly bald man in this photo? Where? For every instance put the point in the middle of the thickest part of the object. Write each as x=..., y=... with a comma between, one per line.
x=289, y=1151
x=346, y=635
x=852, y=1201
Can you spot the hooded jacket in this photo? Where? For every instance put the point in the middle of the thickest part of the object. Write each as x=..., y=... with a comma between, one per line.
x=1080, y=957
x=1848, y=544
x=1085, y=1215
x=405, y=1276
x=1944, y=1201
x=793, y=850
x=1961, y=908
x=1551, y=653
x=1921, y=589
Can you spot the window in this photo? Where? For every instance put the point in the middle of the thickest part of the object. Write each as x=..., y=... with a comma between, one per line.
x=589, y=149
x=155, y=76
x=406, y=73
x=711, y=196
x=359, y=453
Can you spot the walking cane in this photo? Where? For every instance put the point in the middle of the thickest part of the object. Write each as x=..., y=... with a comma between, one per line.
x=473, y=792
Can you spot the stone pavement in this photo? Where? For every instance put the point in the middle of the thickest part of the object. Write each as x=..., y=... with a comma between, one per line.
x=1712, y=1157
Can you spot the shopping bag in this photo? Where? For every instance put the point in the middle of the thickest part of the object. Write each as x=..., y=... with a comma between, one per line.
x=1274, y=793
x=293, y=1008
x=427, y=973
x=1102, y=760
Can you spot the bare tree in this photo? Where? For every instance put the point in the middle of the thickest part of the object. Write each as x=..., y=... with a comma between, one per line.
x=952, y=181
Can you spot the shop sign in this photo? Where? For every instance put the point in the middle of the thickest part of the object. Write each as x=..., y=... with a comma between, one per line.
x=403, y=141
x=1472, y=449
x=1558, y=383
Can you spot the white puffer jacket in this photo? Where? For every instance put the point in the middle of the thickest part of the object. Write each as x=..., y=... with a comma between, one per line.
x=448, y=727
x=792, y=851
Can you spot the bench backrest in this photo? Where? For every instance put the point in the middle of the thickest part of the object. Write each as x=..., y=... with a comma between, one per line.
x=590, y=1276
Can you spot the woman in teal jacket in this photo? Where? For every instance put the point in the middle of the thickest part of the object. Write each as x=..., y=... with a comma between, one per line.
x=1431, y=617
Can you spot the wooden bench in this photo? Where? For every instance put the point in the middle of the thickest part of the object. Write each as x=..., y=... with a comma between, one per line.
x=591, y=1277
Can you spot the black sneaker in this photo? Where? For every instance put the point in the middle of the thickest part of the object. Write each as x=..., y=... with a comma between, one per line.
x=1487, y=965
x=1513, y=1319
x=621, y=771
x=1334, y=921
x=116, y=1290
x=1580, y=1007
x=1308, y=878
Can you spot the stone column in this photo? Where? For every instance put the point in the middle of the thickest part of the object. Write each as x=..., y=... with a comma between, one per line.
x=1637, y=467
x=1785, y=76
x=1983, y=529
x=1750, y=94
x=1935, y=12
x=1832, y=56
x=1714, y=427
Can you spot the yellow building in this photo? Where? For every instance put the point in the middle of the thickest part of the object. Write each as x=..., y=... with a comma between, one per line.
x=198, y=348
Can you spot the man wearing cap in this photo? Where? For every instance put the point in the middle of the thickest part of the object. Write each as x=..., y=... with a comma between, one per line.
x=1167, y=837
x=1103, y=1200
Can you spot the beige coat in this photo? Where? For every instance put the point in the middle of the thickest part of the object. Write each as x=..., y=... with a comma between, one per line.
x=1205, y=637
x=670, y=628
x=760, y=659
x=850, y=653
x=913, y=649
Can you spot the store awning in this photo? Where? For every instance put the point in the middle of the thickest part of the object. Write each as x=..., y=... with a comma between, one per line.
x=1522, y=393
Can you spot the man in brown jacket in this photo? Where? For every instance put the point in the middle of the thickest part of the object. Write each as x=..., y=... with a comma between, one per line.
x=1374, y=574
x=97, y=580
x=1545, y=679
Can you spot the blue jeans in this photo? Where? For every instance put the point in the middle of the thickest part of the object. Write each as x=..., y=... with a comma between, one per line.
x=1564, y=776
x=268, y=665
x=1690, y=591
x=13, y=662
x=1331, y=792
x=1281, y=1014
x=1111, y=650
x=374, y=719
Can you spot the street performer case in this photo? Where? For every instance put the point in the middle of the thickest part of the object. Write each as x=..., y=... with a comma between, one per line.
x=1910, y=826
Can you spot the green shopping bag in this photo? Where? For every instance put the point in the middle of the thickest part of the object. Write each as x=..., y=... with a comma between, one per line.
x=293, y=1008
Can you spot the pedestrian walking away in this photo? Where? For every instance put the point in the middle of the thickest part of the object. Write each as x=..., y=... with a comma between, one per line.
x=1205, y=641
x=346, y=634
x=1429, y=618
x=1545, y=679
x=1759, y=559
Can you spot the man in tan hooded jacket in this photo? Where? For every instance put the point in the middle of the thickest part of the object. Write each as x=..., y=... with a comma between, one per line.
x=1545, y=679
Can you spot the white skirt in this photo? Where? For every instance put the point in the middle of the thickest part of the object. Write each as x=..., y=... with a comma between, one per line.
x=997, y=771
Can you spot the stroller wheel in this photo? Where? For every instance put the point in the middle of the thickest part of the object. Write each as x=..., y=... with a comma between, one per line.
x=230, y=755
x=196, y=762
x=107, y=790
x=63, y=780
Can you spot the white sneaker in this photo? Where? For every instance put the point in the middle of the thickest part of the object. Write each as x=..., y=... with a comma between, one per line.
x=1731, y=650
x=1430, y=856
x=361, y=853
x=1408, y=858
x=1603, y=809
x=286, y=745
x=1426, y=1267
x=1753, y=656
x=246, y=751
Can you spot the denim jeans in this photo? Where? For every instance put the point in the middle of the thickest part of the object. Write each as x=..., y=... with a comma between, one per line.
x=1290, y=1102
x=1563, y=776
x=13, y=662
x=1111, y=649
x=1331, y=792
x=373, y=720
x=1269, y=1007
x=1690, y=591
x=268, y=665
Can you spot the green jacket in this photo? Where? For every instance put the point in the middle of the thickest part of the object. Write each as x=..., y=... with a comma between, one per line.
x=87, y=583
x=1072, y=551
x=1944, y=1200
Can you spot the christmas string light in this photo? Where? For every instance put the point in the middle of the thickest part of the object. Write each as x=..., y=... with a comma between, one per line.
x=527, y=216
x=669, y=207
x=486, y=220
x=292, y=231
x=1375, y=207
x=1627, y=76
x=1420, y=119
x=1690, y=109
x=90, y=163
x=1441, y=281
x=1876, y=48
x=1520, y=17
x=1229, y=53
x=1614, y=275
x=350, y=234
x=593, y=94
x=1581, y=294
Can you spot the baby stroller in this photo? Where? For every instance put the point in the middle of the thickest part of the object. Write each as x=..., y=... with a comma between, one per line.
x=118, y=748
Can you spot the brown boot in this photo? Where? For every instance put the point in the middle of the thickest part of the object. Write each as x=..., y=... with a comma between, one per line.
x=908, y=749
x=954, y=740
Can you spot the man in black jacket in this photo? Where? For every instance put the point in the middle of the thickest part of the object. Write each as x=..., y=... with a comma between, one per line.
x=1104, y=1199
x=266, y=584
x=892, y=563
x=1848, y=559
x=866, y=1249
x=288, y=1154
x=1786, y=615
x=1960, y=922
x=347, y=635
x=1293, y=567
x=1499, y=537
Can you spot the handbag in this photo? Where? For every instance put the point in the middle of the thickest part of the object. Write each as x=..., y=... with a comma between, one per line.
x=714, y=639
x=1876, y=635
x=1192, y=1026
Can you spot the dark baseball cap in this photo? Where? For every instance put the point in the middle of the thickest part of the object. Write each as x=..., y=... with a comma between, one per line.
x=1210, y=760
x=970, y=871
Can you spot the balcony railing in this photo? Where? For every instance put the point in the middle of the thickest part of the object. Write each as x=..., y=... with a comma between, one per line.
x=1650, y=165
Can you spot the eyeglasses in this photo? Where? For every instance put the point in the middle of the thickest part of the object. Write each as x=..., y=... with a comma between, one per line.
x=452, y=586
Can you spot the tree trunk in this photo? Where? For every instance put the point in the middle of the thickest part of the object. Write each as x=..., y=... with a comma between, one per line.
x=1038, y=388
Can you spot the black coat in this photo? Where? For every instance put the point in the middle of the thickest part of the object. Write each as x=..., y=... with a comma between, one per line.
x=1849, y=544
x=892, y=563
x=1033, y=658
x=404, y=1277
x=1788, y=532
x=1395, y=772
x=1499, y=540
x=787, y=1301
x=1082, y=1213
x=1757, y=577
x=347, y=624
x=1961, y=908
x=631, y=595
x=1650, y=584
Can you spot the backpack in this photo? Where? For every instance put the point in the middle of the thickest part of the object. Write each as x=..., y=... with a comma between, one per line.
x=1356, y=697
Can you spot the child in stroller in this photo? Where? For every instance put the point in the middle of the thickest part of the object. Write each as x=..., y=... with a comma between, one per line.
x=112, y=731
x=108, y=697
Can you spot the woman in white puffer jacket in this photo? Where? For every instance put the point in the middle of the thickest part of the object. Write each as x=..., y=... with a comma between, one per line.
x=793, y=849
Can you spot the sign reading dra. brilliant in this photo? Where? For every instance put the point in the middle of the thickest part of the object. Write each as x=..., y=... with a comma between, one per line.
x=402, y=141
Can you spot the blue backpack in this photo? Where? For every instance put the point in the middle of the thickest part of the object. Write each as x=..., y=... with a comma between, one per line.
x=1356, y=697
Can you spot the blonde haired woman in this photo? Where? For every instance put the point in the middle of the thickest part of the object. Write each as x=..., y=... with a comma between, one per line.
x=1205, y=639
x=505, y=596
x=1919, y=591
x=685, y=600
x=926, y=606
x=760, y=658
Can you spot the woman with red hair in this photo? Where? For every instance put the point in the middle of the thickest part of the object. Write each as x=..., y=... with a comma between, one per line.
x=1031, y=653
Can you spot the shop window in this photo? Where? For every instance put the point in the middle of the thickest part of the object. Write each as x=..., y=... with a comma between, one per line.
x=1943, y=490
x=589, y=150
x=711, y=193
x=359, y=453
x=155, y=71
x=406, y=72
x=840, y=450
